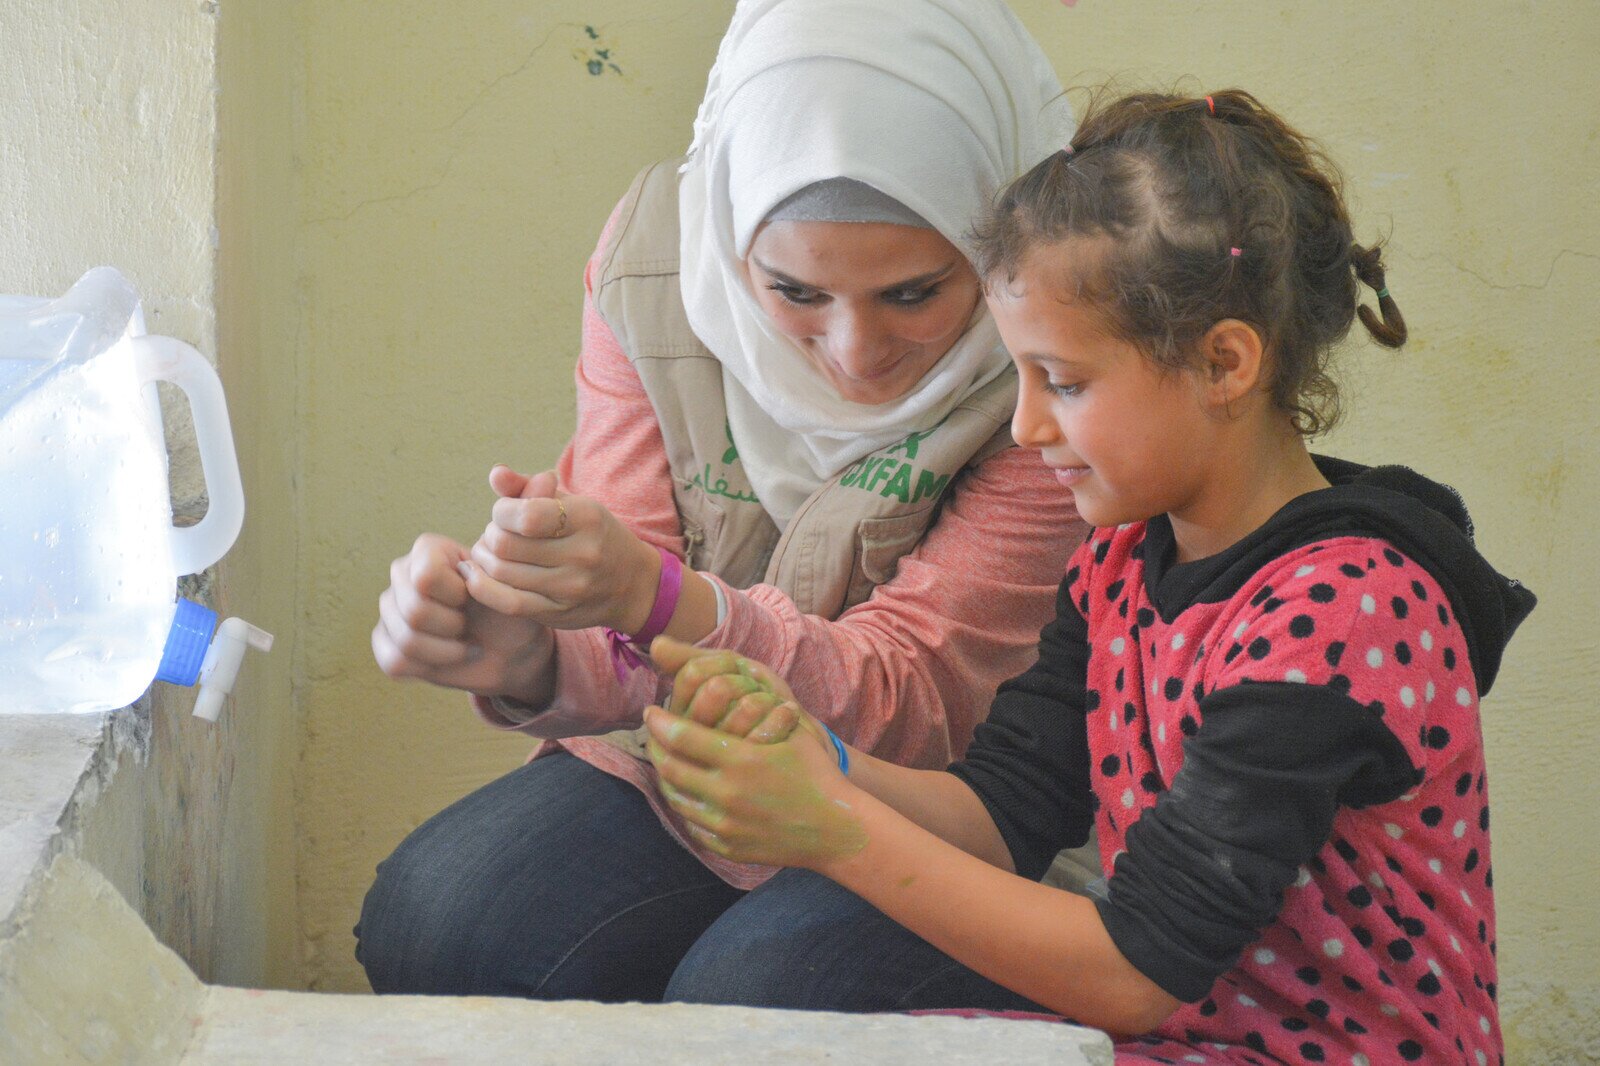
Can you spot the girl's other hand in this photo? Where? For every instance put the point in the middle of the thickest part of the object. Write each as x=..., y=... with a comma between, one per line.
x=778, y=804
x=430, y=629
x=562, y=560
x=739, y=696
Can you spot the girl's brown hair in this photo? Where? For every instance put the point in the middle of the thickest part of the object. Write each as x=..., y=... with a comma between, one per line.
x=1203, y=209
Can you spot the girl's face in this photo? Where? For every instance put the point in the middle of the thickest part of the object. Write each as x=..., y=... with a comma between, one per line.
x=1129, y=438
x=872, y=305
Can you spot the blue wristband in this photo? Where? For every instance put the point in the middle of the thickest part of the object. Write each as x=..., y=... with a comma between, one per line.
x=839, y=749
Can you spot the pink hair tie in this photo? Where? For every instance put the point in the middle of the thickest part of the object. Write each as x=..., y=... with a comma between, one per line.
x=625, y=650
x=1211, y=105
x=1236, y=252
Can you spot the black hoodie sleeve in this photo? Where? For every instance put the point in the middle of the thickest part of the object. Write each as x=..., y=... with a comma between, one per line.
x=1205, y=868
x=1029, y=760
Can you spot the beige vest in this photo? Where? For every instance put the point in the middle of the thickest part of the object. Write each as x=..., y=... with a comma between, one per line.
x=848, y=537
x=844, y=541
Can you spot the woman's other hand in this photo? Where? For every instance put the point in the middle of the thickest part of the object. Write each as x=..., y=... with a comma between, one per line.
x=429, y=628
x=561, y=560
x=779, y=804
x=728, y=692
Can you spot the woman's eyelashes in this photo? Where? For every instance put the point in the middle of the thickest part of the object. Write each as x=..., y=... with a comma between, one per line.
x=911, y=297
x=1060, y=388
x=796, y=295
x=802, y=297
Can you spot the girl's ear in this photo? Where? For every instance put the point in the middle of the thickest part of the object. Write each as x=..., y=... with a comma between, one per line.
x=1232, y=354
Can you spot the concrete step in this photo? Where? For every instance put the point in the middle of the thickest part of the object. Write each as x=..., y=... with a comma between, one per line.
x=245, y=1027
x=84, y=980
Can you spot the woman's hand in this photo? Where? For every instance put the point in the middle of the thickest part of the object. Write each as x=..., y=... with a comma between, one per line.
x=430, y=629
x=561, y=560
x=779, y=804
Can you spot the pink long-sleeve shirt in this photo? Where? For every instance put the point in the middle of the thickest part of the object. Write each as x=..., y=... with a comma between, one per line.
x=906, y=675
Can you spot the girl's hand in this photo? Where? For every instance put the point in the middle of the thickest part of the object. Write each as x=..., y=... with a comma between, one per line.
x=561, y=560
x=783, y=804
x=739, y=696
x=430, y=629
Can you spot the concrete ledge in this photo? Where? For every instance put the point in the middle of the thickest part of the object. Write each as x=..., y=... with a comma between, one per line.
x=84, y=980
x=250, y=1028
x=43, y=760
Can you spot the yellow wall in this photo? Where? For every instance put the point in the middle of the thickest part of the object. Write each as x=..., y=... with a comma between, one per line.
x=453, y=171
x=454, y=176
x=262, y=370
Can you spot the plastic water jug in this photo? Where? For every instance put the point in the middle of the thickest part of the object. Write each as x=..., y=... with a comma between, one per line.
x=89, y=557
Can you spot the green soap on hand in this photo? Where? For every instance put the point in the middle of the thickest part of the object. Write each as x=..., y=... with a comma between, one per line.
x=742, y=684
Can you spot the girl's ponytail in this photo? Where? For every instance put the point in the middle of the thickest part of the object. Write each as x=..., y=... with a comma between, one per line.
x=1390, y=331
x=1203, y=209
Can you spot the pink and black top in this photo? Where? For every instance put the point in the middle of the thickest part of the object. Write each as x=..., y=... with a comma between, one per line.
x=1279, y=748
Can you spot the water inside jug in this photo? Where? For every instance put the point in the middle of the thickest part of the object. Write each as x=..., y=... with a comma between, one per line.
x=89, y=557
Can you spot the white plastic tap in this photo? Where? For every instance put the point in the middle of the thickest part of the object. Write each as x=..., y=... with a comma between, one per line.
x=221, y=666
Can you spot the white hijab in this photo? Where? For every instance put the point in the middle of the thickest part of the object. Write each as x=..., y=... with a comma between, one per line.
x=938, y=103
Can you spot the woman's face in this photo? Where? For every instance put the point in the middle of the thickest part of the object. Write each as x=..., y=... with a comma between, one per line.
x=873, y=305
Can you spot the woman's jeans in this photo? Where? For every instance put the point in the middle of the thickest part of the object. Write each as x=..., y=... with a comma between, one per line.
x=558, y=882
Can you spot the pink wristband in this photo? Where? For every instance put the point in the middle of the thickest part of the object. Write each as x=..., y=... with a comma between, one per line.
x=625, y=650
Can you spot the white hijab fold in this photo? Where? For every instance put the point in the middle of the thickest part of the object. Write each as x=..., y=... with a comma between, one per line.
x=937, y=103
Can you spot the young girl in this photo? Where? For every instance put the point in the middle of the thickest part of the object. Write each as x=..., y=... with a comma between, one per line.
x=1261, y=686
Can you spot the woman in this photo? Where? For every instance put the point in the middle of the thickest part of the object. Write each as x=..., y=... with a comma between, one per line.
x=789, y=382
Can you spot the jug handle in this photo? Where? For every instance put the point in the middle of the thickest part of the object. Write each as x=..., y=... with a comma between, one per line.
x=167, y=359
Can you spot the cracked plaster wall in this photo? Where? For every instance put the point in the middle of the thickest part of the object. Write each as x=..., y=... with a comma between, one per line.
x=107, y=155
x=453, y=176
x=454, y=173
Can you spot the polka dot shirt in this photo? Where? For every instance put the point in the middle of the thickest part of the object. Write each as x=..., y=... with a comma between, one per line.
x=1316, y=886
x=1383, y=946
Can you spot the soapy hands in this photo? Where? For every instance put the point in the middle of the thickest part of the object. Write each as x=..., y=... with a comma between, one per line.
x=754, y=777
x=562, y=560
x=728, y=692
